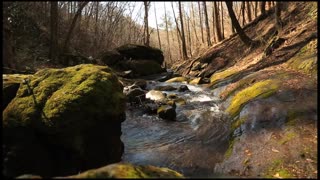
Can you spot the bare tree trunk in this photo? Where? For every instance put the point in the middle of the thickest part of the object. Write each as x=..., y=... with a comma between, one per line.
x=243, y=14
x=214, y=27
x=189, y=36
x=194, y=24
x=68, y=38
x=167, y=30
x=263, y=7
x=146, y=26
x=200, y=22
x=249, y=12
x=278, y=15
x=207, y=23
x=184, y=46
x=222, y=22
x=244, y=38
x=155, y=14
x=95, y=38
x=255, y=9
x=54, y=52
x=217, y=18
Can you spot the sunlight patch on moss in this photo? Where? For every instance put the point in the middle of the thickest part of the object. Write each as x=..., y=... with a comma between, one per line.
x=261, y=89
x=216, y=77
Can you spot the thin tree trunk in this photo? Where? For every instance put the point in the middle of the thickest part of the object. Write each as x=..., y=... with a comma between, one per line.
x=216, y=10
x=263, y=7
x=95, y=38
x=255, y=9
x=222, y=22
x=278, y=15
x=54, y=52
x=68, y=38
x=207, y=23
x=200, y=15
x=155, y=14
x=184, y=46
x=243, y=13
x=167, y=30
x=189, y=36
x=249, y=12
x=244, y=38
x=214, y=27
x=146, y=26
x=194, y=24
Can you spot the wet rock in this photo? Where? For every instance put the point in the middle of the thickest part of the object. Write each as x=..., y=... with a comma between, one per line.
x=165, y=88
x=64, y=121
x=126, y=170
x=167, y=112
x=155, y=95
x=183, y=88
x=135, y=94
x=29, y=176
x=151, y=108
x=133, y=51
x=177, y=79
x=141, y=83
x=172, y=96
x=11, y=84
x=195, y=81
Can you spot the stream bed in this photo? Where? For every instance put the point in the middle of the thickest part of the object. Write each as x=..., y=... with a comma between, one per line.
x=191, y=145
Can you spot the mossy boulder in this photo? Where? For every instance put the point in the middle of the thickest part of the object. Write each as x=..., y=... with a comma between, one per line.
x=260, y=89
x=178, y=79
x=58, y=119
x=126, y=170
x=195, y=81
x=11, y=84
x=165, y=88
x=133, y=51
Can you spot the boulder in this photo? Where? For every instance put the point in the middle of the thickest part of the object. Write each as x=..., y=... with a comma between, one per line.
x=110, y=58
x=127, y=170
x=63, y=121
x=177, y=79
x=156, y=96
x=11, y=84
x=167, y=112
x=195, y=81
x=133, y=51
x=141, y=67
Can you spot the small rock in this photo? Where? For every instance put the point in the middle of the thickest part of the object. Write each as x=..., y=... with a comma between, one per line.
x=167, y=112
x=183, y=88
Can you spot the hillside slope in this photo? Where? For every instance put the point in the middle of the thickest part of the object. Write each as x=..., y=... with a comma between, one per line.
x=270, y=95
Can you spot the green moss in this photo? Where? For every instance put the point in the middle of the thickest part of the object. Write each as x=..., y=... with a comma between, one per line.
x=177, y=79
x=237, y=123
x=230, y=148
x=126, y=170
x=276, y=167
x=216, y=77
x=261, y=89
x=180, y=101
x=306, y=59
x=195, y=81
x=288, y=136
x=61, y=94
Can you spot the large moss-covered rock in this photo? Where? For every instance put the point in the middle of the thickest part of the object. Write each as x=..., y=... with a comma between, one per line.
x=63, y=121
x=126, y=170
x=11, y=83
x=134, y=51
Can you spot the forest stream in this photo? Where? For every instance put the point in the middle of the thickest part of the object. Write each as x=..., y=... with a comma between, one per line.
x=191, y=145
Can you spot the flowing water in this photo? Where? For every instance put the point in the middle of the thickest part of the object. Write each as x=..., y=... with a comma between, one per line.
x=192, y=144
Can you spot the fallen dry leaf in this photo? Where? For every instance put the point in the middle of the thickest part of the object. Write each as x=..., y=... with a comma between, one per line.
x=274, y=150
